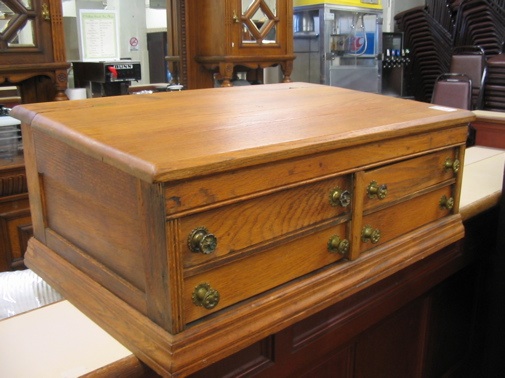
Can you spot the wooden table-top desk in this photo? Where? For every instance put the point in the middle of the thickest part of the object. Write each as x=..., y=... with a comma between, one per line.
x=191, y=225
x=59, y=341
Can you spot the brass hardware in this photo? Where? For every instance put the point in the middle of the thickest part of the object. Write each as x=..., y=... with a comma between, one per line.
x=447, y=203
x=370, y=234
x=235, y=17
x=338, y=245
x=205, y=296
x=339, y=197
x=46, y=15
x=200, y=240
x=376, y=190
x=452, y=164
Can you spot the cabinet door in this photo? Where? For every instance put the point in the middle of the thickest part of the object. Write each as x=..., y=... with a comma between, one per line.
x=25, y=32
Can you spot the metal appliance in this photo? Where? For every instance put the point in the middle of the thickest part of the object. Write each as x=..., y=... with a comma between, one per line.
x=396, y=58
x=111, y=78
x=344, y=48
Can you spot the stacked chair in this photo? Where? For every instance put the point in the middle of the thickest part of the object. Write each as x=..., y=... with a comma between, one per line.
x=473, y=32
x=480, y=23
x=430, y=45
x=494, y=90
x=471, y=61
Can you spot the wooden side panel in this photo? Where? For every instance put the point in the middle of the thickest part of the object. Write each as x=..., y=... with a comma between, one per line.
x=88, y=212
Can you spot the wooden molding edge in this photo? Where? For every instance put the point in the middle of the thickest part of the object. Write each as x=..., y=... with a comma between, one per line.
x=228, y=331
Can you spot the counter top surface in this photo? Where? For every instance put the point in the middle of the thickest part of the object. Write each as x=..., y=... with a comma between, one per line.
x=55, y=341
x=482, y=180
x=59, y=341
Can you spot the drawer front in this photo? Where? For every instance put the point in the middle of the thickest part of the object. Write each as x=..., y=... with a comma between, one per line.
x=256, y=221
x=262, y=271
x=406, y=178
x=404, y=217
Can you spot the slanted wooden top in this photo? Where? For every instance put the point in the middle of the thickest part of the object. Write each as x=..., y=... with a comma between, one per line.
x=176, y=135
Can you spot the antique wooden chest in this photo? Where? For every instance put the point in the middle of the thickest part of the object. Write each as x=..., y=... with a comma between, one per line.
x=192, y=224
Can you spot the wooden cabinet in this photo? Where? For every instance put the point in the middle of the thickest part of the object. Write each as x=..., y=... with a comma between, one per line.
x=244, y=212
x=15, y=220
x=32, y=49
x=230, y=36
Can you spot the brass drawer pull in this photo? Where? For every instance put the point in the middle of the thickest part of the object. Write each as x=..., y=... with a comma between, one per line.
x=452, y=164
x=338, y=245
x=370, y=234
x=446, y=202
x=200, y=240
x=205, y=296
x=340, y=197
x=376, y=190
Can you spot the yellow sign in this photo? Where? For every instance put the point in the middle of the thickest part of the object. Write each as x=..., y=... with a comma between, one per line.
x=353, y=3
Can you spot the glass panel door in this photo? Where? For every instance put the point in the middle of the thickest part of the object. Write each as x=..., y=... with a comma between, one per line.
x=259, y=21
x=17, y=24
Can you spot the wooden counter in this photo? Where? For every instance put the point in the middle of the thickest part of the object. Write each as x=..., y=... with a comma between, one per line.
x=490, y=128
x=194, y=224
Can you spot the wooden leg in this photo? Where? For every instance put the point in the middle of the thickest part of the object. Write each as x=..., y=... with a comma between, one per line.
x=226, y=74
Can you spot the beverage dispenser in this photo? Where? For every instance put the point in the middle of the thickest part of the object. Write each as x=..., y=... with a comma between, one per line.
x=345, y=47
x=396, y=59
x=106, y=78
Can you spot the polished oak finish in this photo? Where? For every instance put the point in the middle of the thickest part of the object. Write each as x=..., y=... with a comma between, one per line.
x=123, y=196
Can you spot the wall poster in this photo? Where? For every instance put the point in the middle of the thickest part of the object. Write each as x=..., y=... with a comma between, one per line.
x=99, y=35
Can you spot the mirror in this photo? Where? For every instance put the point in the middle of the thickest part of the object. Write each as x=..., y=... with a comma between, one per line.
x=259, y=21
x=17, y=24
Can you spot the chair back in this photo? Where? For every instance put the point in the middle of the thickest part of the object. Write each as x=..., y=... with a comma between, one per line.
x=471, y=61
x=453, y=90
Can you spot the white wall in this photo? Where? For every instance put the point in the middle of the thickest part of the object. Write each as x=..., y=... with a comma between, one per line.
x=393, y=7
x=133, y=23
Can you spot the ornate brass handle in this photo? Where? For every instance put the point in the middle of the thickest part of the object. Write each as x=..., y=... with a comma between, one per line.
x=339, y=197
x=338, y=245
x=200, y=240
x=446, y=202
x=452, y=164
x=370, y=234
x=46, y=15
x=205, y=296
x=376, y=190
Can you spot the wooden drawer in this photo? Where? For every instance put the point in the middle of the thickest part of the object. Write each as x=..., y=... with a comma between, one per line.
x=259, y=221
x=245, y=278
x=407, y=177
x=406, y=216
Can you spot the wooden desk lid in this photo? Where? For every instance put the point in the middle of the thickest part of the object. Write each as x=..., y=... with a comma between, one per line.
x=170, y=136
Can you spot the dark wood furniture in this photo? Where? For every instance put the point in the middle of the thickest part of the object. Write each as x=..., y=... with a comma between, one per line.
x=15, y=220
x=489, y=129
x=245, y=212
x=230, y=36
x=32, y=58
x=32, y=49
